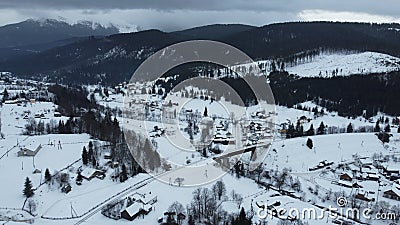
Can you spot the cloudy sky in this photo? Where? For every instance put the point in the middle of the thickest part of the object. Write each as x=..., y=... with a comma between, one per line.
x=179, y=14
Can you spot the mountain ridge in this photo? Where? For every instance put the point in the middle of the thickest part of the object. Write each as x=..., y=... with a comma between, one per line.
x=87, y=58
x=21, y=38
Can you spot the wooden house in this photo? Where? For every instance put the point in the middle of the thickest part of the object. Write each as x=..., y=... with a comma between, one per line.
x=346, y=177
x=394, y=193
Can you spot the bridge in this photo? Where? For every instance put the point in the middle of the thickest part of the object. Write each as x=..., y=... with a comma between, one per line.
x=251, y=148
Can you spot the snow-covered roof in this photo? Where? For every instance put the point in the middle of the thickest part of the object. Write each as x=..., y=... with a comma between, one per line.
x=373, y=176
x=346, y=183
x=365, y=161
x=147, y=207
x=353, y=167
x=144, y=198
x=348, y=174
x=134, y=209
x=396, y=190
x=393, y=167
x=87, y=172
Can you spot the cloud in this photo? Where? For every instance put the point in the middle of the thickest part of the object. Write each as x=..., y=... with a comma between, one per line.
x=383, y=7
x=322, y=15
x=179, y=14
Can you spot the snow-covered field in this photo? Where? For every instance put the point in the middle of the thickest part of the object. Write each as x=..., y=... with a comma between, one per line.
x=346, y=64
x=328, y=64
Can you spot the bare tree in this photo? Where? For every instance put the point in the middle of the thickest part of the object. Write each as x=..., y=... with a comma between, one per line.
x=31, y=205
x=177, y=208
x=219, y=189
x=237, y=198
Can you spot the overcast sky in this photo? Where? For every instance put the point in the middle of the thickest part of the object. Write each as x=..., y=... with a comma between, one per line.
x=170, y=15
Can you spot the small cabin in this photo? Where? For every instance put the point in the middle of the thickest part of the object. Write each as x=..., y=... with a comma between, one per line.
x=29, y=152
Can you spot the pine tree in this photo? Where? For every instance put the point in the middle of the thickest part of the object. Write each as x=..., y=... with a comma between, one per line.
x=191, y=220
x=204, y=152
x=310, y=131
x=377, y=127
x=90, y=152
x=28, y=188
x=47, y=175
x=299, y=129
x=290, y=133
x=384, y=137
x=398, y=129
x=94, y=162
x=387, y=128
x=321, y=129
x=124, y=174
x=242, y=218
x=157, y=160
x=143, y=91
x=310, y=144
x=242, y=215
x=205, y=114
x=350, y=128
x=85, y=156
x=5, y=95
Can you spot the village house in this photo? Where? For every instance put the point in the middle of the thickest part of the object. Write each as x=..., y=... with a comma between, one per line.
x=347, y=184
x=135, y=210
x=147, y=198
x=391, y=170
x=363, y=196
x=353, y=168
x=346, y=177
x=142, y=205
x=90, y=173
x=373, y=177
x=321, y=165
x=364, y=163
x=29, y=152
x=393, y=193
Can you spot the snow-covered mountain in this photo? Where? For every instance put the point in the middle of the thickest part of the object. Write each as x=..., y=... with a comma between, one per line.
x=275, y=41
x=32, y=36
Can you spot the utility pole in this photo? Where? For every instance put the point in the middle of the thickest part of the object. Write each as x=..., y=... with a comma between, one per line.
x=1, y=106
x=73, y=212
